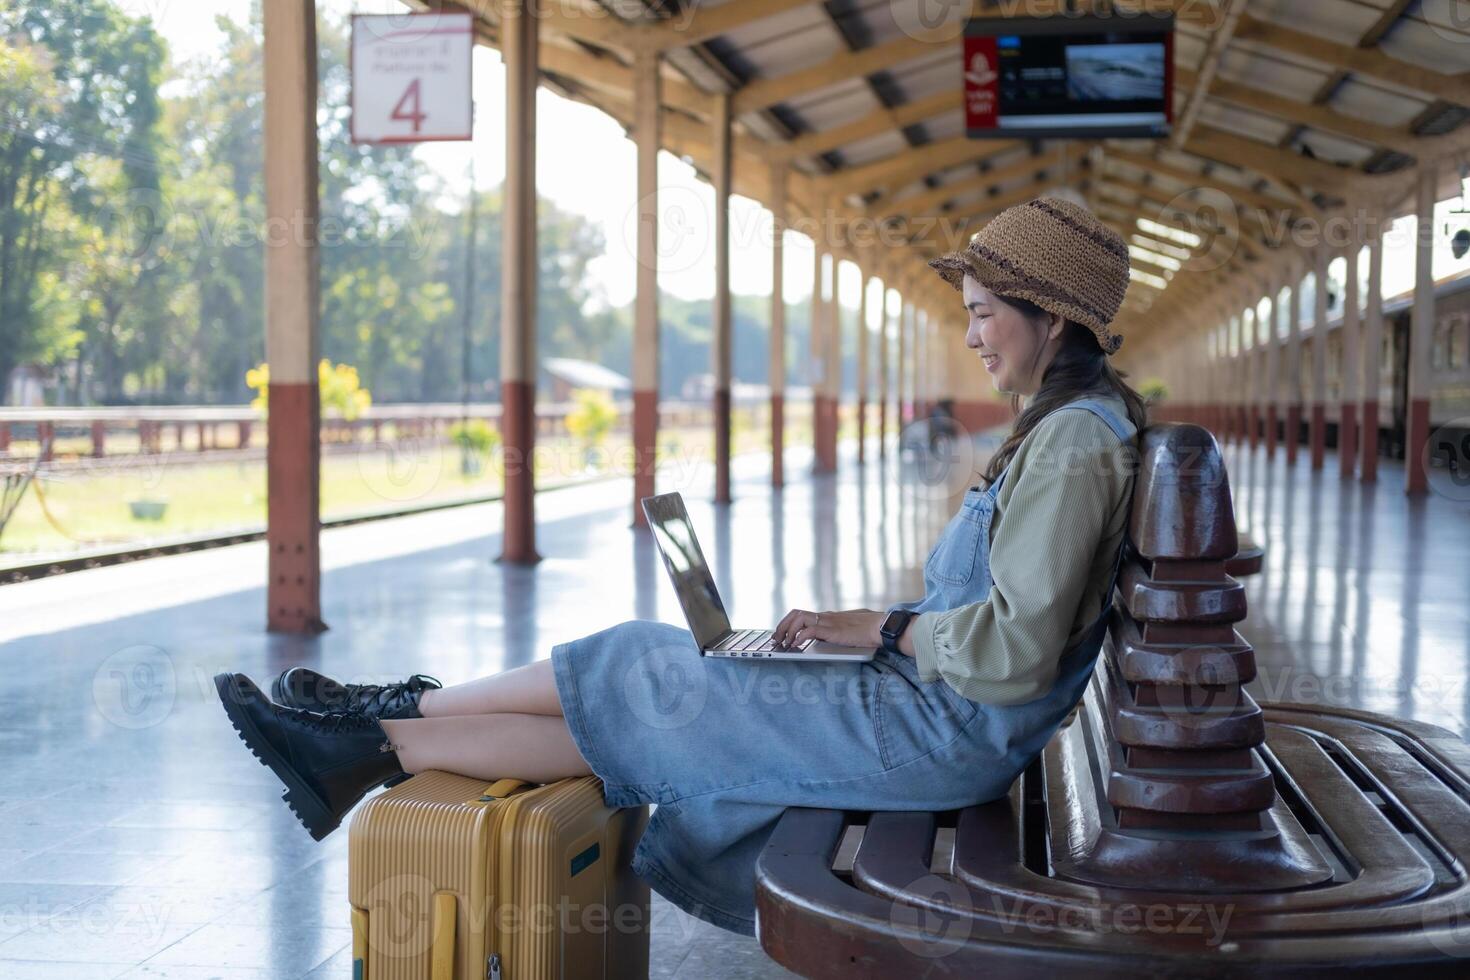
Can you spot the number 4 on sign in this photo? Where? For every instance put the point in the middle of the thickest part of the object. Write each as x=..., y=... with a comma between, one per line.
x=409, y=101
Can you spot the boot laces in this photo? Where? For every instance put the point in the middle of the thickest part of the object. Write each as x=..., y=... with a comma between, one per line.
x=336, y=723
x=385, y=698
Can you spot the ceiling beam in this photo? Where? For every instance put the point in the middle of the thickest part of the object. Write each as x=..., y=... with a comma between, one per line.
x=1364, y=61
x=872, y=124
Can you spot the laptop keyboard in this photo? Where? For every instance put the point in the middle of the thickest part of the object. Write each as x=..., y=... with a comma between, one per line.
x=755, y=641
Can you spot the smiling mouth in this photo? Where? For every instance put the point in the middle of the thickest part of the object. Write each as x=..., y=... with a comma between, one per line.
x=990, y=359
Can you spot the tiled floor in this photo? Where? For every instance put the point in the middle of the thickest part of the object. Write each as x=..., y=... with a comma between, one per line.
x=139, y=839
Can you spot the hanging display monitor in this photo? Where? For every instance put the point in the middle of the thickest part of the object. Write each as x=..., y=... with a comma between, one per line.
x=1092, y=76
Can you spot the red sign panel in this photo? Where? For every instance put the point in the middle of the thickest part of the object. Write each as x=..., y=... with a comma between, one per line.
x=982, y=82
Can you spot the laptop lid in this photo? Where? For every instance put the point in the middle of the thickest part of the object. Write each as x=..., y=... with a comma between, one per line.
x=693, y=582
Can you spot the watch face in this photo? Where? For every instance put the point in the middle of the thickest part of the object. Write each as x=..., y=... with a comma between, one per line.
x=894, y=622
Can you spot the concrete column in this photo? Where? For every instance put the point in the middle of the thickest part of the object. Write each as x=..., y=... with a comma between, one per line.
x=902, y=348
x=862, y=365
x=1273, y=370
x=1347, y=426
x=518, y=48
x=832, y=366
x=292, y=315
x=1372, y=351
x=646, y=119
x=1318, y=423
x=1293, y=387
x=817, y=360
x=1421, y=334
x=883, y=333
x=777, y=370
x=721, y=341
x=833, y=374
x=1251, y=333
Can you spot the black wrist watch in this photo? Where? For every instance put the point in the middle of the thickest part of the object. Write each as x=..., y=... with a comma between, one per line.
x=893, y=626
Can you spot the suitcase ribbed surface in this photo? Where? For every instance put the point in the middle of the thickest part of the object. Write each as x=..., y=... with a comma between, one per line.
x=526, y=871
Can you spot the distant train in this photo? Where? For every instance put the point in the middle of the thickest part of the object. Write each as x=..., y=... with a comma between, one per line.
x=1449, y=367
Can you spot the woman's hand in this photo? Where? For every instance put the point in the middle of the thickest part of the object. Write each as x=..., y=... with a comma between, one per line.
x=847, y=627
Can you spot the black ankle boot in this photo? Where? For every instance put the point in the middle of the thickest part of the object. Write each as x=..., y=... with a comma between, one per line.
x=302, y=687
x=328, y=762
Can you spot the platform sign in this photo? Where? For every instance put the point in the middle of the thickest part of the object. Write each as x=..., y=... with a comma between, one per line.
x=411, y=77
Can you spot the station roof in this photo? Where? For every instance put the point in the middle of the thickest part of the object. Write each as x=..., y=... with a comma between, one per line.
x=1284, y=111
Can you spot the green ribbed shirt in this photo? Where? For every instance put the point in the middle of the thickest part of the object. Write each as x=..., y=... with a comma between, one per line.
x=1059, y=519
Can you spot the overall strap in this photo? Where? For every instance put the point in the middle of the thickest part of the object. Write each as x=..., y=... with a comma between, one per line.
x=1109, y=417
x=1101, y=411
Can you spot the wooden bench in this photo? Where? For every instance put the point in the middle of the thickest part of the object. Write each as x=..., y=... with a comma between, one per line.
x=1173, y=827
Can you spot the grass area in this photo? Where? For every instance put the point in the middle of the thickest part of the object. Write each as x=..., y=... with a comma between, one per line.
x=89, y=509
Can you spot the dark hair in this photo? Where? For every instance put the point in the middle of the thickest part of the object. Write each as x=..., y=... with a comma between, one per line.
x=1079, y=368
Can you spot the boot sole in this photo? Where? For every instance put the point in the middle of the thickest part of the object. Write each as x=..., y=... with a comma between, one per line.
x=305, y=804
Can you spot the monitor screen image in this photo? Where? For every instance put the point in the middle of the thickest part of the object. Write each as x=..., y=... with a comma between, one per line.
x=1068, y=76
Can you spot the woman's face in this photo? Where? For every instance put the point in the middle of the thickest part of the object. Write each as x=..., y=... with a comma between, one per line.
x=1014, y=350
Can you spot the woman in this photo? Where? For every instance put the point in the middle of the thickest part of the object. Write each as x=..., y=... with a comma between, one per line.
x=976, y=677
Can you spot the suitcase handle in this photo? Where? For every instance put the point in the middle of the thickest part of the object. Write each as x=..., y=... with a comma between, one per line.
x=502, y=788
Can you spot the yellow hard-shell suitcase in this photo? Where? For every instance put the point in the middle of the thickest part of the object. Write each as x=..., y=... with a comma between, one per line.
x=451, y=879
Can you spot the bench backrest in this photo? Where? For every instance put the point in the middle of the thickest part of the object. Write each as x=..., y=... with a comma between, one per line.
x=1179, y=727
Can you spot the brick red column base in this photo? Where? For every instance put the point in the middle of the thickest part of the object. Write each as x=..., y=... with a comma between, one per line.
x=645, y=441
x=1368, y=472
x=1253, y=421
x=518, y=434
x=722, y=446
x=882, y=428
x=1293, y=431
x=1318, y=435
x=1416, y=476
x=1347, y=441
x=826, y=455
x=99, y=439
x=1271, y=431
x=778, y=440
x=292, y=533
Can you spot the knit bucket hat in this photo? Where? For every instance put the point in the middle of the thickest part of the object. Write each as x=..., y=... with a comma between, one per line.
x=1054, y=253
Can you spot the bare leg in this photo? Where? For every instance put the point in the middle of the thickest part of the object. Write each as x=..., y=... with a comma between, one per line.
x=536, y=748
x=529, y=689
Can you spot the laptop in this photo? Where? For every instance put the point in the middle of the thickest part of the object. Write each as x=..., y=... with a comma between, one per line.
x=674, y=535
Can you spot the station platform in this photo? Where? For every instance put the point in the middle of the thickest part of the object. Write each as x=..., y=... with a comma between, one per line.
x=180, y=861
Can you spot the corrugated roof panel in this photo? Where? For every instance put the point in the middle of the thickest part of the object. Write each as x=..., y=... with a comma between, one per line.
x=929, y=75
x=1276, y=75
x=790, y=42
x=1441, y=45
x=836, y=105
x=1243, y=122
x=1343, y=21
x=873, y=148
x=946, y=125
x=1334, y=149
x=810, y=20
x=1373, y=103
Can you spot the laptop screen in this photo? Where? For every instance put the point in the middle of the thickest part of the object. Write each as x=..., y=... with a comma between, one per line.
x=685, y=562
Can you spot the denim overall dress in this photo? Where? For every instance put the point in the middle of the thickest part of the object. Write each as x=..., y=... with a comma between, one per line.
x=723, y=746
